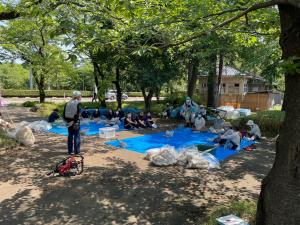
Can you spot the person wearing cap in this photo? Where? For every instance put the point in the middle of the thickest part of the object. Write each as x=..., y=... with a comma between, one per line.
x=188, y=112
x=71, y=115
x=254, y=133
x=199, y=123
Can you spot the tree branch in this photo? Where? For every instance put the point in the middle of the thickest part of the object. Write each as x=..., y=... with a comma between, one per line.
x=9, y=15
x=232, y=19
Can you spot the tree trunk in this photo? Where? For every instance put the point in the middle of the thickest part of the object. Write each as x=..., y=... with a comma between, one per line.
x=212, y=83
x=147, y=98
x=279, y=201
x=40, y=81
x=118, y=87
x=220, y=71
x=283, y=107
x=192, y=78
x=97, y=74
x=157, y=95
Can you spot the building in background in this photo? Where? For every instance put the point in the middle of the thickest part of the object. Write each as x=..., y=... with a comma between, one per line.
x=242, y=90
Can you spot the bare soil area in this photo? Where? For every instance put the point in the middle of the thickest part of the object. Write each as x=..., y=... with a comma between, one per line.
x=118, y=186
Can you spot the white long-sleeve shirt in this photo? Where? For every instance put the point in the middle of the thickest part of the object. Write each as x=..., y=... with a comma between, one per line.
x=199, y=123
x=233, y=136
x=255, y=131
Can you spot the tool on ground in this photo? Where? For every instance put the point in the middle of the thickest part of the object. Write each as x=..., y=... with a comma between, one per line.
x=69, y=166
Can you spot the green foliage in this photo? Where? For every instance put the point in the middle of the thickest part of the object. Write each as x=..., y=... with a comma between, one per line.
x=13, y=76
x=245, y=210
x=268, y=121
x=35, y=93
x=178, y=98
x=29, y=104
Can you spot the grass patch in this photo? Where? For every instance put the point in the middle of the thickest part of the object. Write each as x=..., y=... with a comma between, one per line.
x=6, y=141
x=245, y=210
x=268, y=121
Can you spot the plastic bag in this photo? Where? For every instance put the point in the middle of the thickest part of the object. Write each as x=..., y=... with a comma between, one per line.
x=25, y=136
x=197, y=162
x=151, y=152
x=169, y=133
x=213, y=162
x=116, y=126
x=165, y=157
x=40, y=126
x=185, y=154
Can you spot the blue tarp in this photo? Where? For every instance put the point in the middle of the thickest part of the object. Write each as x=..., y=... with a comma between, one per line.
x=89, y=129
x=181, y=138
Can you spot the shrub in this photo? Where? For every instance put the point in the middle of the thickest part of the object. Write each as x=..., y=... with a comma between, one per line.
x=268, y=121
x=178, y=98
x=29, y=104
x=35, y=93
x=135, y=94
x=245, y=210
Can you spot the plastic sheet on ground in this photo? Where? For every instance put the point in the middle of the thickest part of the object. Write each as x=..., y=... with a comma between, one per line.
x=92, y=127
x=182, y=138
x=165, y=157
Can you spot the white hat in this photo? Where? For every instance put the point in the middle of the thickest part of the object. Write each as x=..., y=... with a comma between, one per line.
x=76, y=94
x=227, y=124
x=250, y=123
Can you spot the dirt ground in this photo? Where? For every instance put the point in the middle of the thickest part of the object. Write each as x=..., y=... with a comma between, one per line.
x=118, y=186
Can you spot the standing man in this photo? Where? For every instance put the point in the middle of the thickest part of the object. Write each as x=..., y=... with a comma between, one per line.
x=95, y=93
x=71, y=116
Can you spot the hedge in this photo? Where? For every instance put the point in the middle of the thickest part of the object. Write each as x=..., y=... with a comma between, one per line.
x=140, y=94
x=268, y=121
x=35, y=93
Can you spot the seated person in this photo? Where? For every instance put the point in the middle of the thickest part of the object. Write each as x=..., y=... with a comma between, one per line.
x=231, y=137
x=110, y=114
x=53, y=116
x=254, y=133
x=129, y=123
x=96, y=114
x=111, y=118
x=149, y=121
x=202, y=111
x=188, y=111
x=199, y=123
x=140, y=120
x=167, y=112
x=85, y=113
x=119, y=113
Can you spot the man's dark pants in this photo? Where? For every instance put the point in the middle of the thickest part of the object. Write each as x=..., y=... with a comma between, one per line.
x=74, y=139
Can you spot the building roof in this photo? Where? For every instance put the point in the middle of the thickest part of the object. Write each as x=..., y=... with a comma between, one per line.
x=232, y=72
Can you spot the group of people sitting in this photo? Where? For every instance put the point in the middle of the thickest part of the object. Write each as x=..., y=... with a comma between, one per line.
x=231, y=137
x=140, y=121
x=114, y=117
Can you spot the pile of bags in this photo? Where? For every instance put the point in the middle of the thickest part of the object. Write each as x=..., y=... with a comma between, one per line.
x=23, y=131
x=188, y=157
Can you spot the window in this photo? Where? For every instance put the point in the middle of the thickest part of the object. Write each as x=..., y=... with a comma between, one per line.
x=236, y=85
